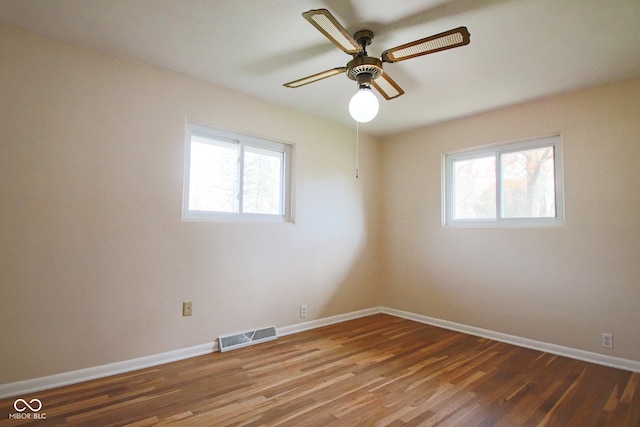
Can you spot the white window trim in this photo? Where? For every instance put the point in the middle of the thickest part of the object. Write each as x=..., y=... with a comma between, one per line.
x=497, y=149
x=244, y=140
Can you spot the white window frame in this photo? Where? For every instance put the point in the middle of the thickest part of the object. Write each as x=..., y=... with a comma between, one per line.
x=243, y=141
x=496, y=150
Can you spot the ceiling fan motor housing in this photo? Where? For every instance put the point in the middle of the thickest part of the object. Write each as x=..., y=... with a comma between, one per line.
x=363, y=69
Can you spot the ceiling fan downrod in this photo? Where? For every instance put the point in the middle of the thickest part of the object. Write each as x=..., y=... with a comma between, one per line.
x=364, y=39
x=363, y=68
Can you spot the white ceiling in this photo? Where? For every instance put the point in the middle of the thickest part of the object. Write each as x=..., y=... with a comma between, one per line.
x=520, y=49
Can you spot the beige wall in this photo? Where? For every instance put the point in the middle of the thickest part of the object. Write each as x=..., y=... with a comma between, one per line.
x=558, y=285
x=95, y=260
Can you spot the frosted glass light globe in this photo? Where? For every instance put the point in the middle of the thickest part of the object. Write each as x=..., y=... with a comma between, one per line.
x=364, y=105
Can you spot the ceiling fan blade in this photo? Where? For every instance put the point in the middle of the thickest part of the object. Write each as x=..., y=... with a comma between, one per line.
x=387, y=86
x=436, y=43
x=324, y=21
x=315, y=77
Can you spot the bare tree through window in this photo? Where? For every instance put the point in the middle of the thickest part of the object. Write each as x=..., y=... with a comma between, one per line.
x=528, y=184
x=502, y=183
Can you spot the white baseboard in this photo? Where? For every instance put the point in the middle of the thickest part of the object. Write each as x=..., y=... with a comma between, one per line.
x=66, y=378
x=573, y=353
x=73, y=377
x=326, y=321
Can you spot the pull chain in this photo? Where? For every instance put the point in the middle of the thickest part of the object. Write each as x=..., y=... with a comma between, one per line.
x=357, y=147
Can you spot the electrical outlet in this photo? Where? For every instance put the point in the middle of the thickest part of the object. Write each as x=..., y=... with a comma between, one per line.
x=303, y=310
x=186, y=308
x=607, y=340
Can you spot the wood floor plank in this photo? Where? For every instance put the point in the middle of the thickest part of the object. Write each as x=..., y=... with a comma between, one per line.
x=378, y=370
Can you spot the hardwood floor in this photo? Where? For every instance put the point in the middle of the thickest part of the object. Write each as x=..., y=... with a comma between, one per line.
x=374, y=371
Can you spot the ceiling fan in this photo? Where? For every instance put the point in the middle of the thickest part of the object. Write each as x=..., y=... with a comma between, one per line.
x=367, y=70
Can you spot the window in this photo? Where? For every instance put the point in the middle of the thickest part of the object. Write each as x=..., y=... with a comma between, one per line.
x=513, y=184
x=235, y=177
